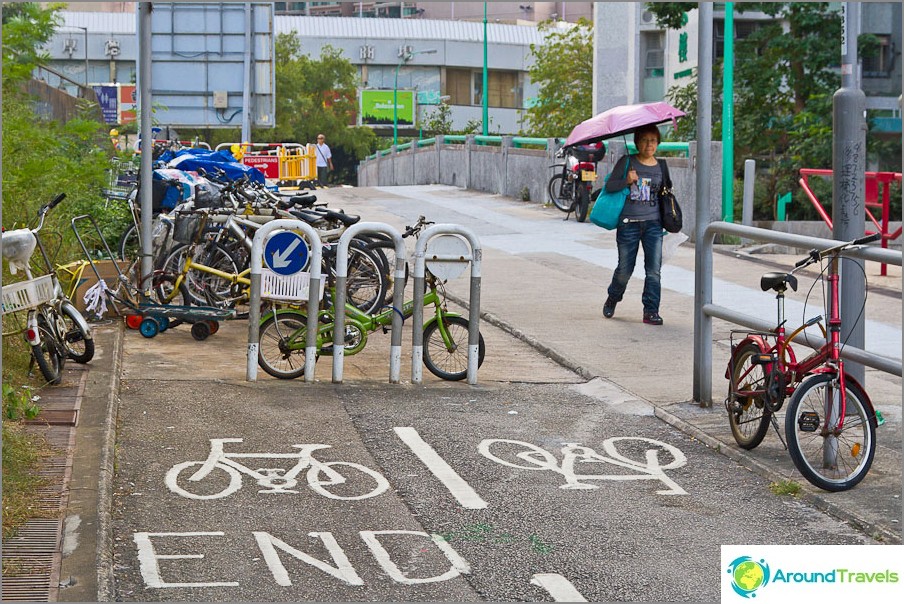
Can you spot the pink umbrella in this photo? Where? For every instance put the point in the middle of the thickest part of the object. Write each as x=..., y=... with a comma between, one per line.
x=621, y=120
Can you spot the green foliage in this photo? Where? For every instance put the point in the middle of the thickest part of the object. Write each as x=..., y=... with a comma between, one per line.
x=563, y=70
x=42, y=157
x=785, y=77
x=439, y=121
x=18, y=403
x=318, y=95
x=26, y=27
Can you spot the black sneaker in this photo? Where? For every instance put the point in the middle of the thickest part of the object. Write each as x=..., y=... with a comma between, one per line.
x=652, y=318
x=609, y=307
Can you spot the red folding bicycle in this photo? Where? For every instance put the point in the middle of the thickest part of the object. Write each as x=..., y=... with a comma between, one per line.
x=830, y=423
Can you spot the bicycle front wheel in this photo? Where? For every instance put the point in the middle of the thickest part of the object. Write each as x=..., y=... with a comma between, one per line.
x=128, y=245
x=833, y=452
x=560, y=192
x=78, y=342
x=282, y=340
x=748, y=415
x=449, y=362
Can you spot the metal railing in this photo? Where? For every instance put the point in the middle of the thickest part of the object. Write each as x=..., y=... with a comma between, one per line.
x=705, y=310
x=518, y=142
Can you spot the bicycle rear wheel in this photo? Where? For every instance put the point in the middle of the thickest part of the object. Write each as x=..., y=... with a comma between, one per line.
x=748, y=415
x=831, y=458
x=49, y=355
x=560, y=192
x=282, y=342
x=449, y=362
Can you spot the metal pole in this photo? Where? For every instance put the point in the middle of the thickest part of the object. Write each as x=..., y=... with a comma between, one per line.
x=749, y=181
x=395, y=103
x=85, y=29
x=246, y=93
x=147, y=137
x=484, y=99
x=728, y=117
x=848, y=186
x=703, y=263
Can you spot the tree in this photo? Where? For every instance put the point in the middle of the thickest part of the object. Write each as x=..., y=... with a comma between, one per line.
x=786, y=73
x=318, y=96
x=43, y=157
x=563, y=69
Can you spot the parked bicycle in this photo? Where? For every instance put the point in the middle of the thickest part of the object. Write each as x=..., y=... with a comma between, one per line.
x=830, y=423
x=571, y=190
x=54, y=328
x=283, y=335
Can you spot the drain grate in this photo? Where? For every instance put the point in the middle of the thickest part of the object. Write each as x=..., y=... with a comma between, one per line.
x=34, y=555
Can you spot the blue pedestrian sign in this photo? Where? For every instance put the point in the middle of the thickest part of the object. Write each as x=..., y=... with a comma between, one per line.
x=286, y=253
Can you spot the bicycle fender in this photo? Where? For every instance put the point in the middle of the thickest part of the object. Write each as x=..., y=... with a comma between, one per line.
x=77, y=317
x=32, y=329
x=432, y=319
x=754, y=339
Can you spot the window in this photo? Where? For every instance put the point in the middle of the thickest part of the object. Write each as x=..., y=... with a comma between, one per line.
x=458, y=86
x=465, y=87
x=879, y=66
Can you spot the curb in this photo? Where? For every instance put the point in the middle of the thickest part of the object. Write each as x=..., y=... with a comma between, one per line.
x=870, y=529
x=105, y=587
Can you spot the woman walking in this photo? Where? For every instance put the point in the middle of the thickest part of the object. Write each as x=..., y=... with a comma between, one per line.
x=639, y=223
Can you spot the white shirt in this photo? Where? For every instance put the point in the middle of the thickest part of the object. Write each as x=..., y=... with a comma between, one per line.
x=323, y=154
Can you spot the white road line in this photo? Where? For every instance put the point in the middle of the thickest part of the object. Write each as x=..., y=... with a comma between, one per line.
x=457, y=485
x=558, y=587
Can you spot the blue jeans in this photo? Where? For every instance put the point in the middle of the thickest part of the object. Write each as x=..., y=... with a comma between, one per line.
x=628, y=237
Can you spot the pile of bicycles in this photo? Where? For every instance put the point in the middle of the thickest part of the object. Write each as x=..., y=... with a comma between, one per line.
x=201, y=258
x=830, y=423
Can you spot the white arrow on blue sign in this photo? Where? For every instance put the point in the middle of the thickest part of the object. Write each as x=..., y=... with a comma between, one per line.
x=286, y=253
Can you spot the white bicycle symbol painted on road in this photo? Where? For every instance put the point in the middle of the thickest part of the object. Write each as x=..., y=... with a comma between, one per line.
x=574, y=458
x=322, y=477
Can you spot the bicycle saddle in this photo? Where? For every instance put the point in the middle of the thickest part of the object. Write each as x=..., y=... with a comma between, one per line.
x=777, y=281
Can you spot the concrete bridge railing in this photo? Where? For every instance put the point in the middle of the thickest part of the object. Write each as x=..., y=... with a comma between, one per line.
x=520, y=173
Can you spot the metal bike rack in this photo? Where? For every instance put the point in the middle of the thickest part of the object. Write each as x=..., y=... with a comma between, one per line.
x=398, y=298
x=420, y=262
x=254, y=314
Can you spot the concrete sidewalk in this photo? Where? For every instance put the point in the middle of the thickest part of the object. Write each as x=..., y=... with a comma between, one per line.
x=553, y=300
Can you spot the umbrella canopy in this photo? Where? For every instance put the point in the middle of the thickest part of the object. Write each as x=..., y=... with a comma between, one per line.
x=621, y=120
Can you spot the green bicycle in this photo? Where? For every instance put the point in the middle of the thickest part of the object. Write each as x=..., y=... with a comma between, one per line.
x=283, y=335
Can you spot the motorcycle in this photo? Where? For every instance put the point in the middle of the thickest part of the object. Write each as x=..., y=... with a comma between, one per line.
x=571, y=190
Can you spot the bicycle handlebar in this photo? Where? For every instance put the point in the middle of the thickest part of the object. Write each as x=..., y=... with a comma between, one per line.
x=815, y=255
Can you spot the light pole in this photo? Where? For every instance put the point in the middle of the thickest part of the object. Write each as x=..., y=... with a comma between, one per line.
x=395, y=90
x=85, y=29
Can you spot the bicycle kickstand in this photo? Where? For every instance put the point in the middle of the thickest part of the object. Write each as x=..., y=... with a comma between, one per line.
x=774, y=423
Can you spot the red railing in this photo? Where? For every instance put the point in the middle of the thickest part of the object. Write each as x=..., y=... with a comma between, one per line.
x=876, y=182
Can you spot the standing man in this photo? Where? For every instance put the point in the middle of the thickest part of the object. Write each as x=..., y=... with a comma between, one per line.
x=324, y=160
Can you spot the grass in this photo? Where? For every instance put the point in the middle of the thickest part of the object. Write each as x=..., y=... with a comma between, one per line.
x=785, y=487
x=22, y=452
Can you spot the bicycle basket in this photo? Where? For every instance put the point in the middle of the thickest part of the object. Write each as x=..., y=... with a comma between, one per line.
x=187, y=228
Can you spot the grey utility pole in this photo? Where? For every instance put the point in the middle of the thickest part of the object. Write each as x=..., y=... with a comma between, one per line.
x=848, y=186
x=145, y=136
x=702, y=160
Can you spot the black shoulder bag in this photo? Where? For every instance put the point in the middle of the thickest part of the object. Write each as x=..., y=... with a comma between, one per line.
x=669, y=210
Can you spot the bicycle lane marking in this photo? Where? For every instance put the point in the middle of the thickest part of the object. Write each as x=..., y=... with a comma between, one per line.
x=457, y=486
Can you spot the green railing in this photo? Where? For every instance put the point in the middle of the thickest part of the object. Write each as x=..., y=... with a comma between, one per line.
x=520, y=142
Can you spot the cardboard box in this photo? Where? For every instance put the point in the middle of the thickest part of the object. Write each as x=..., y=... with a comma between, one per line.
x=107, y=271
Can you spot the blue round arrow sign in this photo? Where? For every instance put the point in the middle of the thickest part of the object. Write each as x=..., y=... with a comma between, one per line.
x=286, y=253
